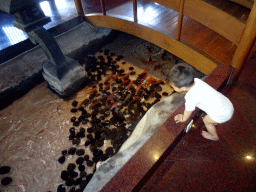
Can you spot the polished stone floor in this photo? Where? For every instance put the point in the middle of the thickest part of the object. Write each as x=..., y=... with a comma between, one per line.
x=197, y=164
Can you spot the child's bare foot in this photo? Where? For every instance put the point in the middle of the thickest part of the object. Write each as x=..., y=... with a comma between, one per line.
x=207, y=135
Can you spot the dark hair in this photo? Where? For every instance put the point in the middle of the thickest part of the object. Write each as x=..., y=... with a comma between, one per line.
x=181, y=75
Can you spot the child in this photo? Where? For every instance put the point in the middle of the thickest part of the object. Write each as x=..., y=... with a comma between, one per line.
x=199, y=94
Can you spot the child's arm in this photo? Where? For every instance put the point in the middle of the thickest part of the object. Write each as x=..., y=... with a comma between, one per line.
x=183, y=117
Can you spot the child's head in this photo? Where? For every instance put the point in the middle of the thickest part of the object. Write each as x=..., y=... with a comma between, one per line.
x=181, y=77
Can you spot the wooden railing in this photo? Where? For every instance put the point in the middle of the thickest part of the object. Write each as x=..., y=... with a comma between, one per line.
x=241, y=34
x=208, y=15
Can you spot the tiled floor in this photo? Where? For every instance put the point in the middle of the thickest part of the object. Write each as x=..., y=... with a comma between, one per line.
x=200, y=165
x=195, y=164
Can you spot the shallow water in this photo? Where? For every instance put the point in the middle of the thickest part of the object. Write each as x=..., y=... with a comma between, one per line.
x=34, y=130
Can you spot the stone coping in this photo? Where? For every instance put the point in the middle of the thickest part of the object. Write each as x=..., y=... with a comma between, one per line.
x=19, y=72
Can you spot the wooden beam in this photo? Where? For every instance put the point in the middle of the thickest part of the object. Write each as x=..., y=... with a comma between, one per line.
x=180, y=20
x=245, y=44
x=245, y=3
x=103, y=7
x=79, y=7
x=253, y=49
x=135, y=12
x=186, y=53
x=210, y=16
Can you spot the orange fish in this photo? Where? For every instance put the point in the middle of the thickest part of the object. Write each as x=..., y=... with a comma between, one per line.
x=113, y=106
x=142, y=78
x=150, y=62
x=125, y=82
x=108, y=78
x=157, y=82
x=137, y=89
x=112, y=96
x=86, y=100
x=154, y=92
x=135, y=98
x=94, y=89
x=127, y=97
x=95, y=102
x=125, y=76
x=128, y=86
x=115, y=77
x=158, y=67
x=150, y=81
x=144, y=72
x=106, y=87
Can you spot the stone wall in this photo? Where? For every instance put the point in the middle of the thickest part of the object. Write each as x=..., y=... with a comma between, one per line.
x=20, y=73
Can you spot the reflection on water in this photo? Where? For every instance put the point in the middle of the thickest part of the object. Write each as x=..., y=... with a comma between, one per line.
x=14, y=34
x=35, y=133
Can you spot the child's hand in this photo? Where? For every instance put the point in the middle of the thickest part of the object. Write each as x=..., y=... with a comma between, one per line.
x=179, y=118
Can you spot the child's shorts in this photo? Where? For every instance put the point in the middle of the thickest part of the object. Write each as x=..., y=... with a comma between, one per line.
x=225, y=115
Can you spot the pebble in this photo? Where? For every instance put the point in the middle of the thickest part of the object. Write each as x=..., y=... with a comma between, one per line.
x=6, y=181
x=62, y=159
x=61, y=188
x=71, y=167
x=4, y=170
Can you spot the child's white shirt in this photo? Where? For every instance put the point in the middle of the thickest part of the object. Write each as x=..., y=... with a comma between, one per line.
x=212, y=102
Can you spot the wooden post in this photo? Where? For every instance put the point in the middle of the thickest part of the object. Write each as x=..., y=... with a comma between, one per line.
x=103, y=7
x=179, y=27
x=79, y=7
x=135, y=15
x=245, y=44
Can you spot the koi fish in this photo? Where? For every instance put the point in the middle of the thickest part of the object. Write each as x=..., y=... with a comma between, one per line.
x=108, y=78
x=115, y=77
x=150, y=62
x=128, y=86
x=86, y=100
x=138, y=88
x=154, y=92
x=135, y=98
x=125, y=76
x=95, y=102
x=143, y=83
x=40, y=132
x=125, y=82
x=113, y=106
x=106, y=87
x=158, y=67
x=112, y=96
x=127, y=97
x=144, y=72
x=93, y=90
x=141, y=78
x=157, y=82
x=150, y=81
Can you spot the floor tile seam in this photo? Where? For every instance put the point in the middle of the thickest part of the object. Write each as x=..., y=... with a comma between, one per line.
x=190, y=159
